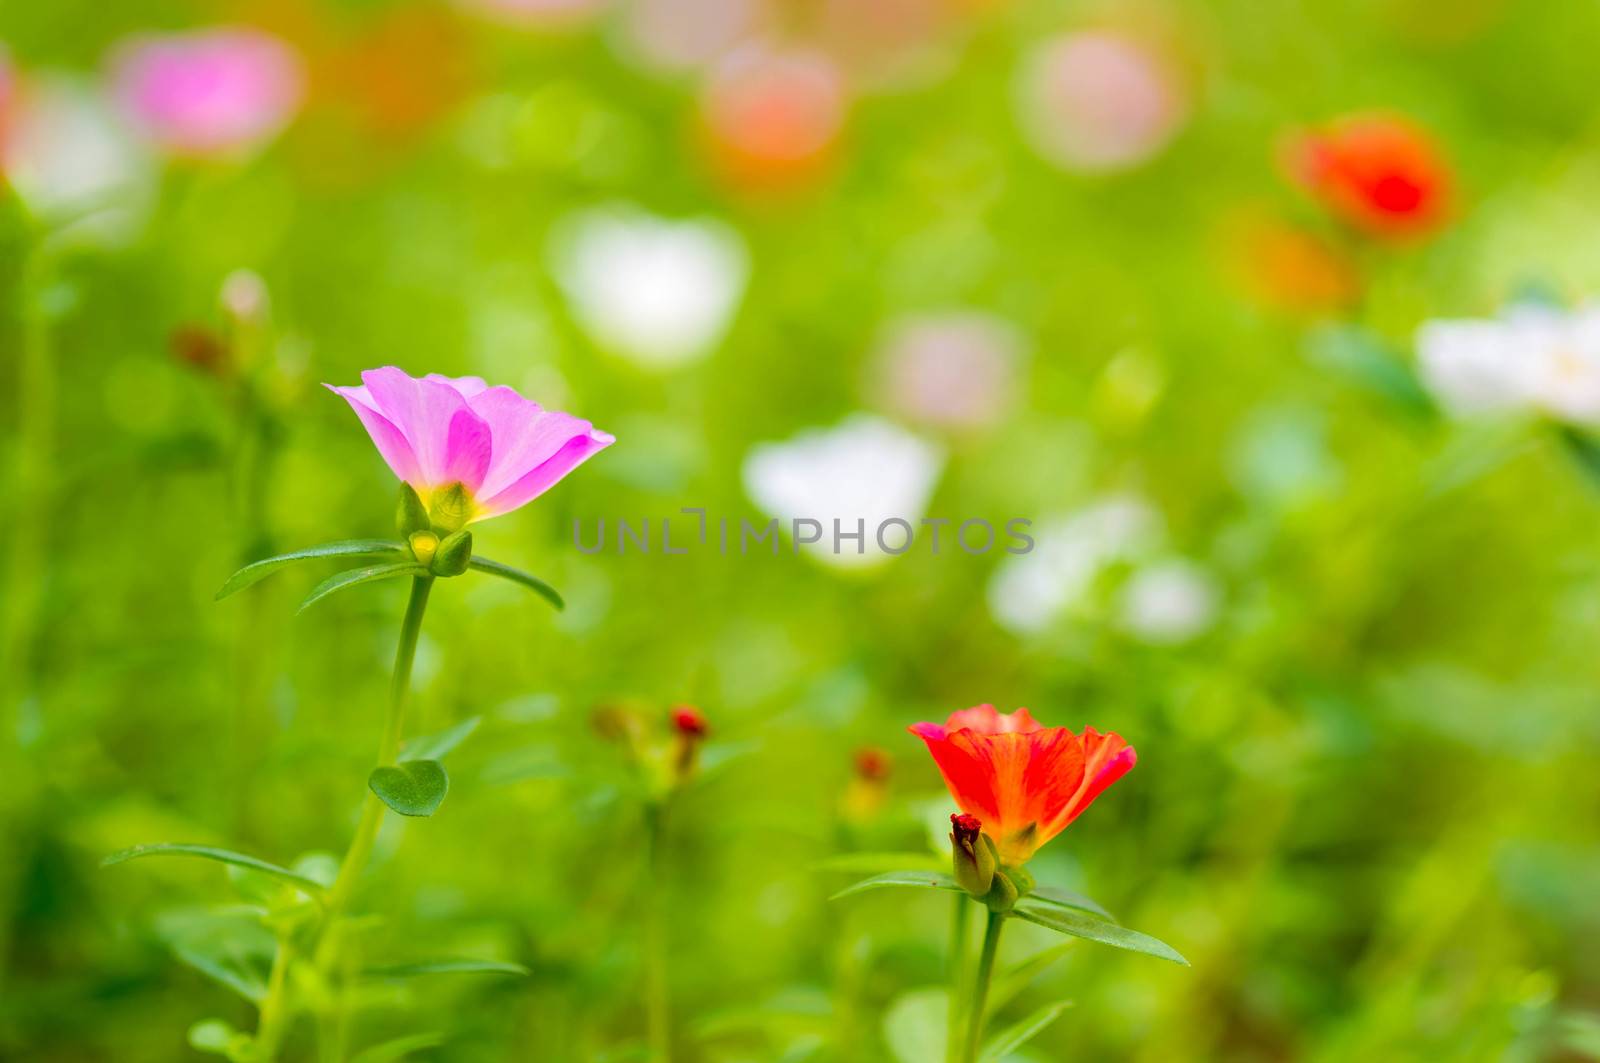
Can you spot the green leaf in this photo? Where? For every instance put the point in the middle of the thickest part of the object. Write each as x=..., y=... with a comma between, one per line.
x=412, y=787
x=1010, y=984
x=356, y=576
x=875, y=863
x=1093, y=928
x=228, y=945
x=515, y=575
x=225, y=856
x=1061, y=898
x=1584, y=450
x=399, y=1048
x=1365, y=361
x=218, y=1038
x=914, y=1025
x=1013, y=1038
x=932, y=880
x=414, y=970
x=435, y=746
x=257, y=571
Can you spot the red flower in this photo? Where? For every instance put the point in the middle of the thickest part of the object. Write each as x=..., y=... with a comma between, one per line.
x=1378, y=173
x=1025, y=781
x=689, y=721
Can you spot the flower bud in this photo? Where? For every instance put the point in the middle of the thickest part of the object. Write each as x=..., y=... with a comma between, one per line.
x=972, y=854
x=450, y=507
x=454, y=553
x=424, y=546
x=1003, y=893
x=411, y=515
x=690, y=725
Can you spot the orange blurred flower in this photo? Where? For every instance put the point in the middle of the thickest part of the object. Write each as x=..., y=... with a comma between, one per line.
x=773, y=119
x=1378, y=173
x=1023, y=780
x=1288, y=267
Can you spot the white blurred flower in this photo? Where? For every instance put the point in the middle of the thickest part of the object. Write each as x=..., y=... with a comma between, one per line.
x=953, y=370
x=1098, y=101
x=864, y=470
x=658, y=292
x=1169, y=602
x=1531, y=358
x=72, y=163
x=1029, y=592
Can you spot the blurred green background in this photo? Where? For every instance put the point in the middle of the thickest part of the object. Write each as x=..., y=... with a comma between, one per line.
x=1366, y=801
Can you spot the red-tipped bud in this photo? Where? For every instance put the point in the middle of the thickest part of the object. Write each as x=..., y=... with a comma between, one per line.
x=873, y=764
x=689, y=721
x=972, y=855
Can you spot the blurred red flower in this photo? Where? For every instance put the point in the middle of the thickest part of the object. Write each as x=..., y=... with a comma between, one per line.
x=773, y=119
x=1379, y=173
x=1023, y=780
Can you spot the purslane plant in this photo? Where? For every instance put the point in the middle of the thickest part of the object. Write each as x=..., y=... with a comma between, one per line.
x=463, y=451
x=1018, y=784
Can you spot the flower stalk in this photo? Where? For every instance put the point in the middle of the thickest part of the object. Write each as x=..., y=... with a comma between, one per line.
x=372, y=809
x=980, y=985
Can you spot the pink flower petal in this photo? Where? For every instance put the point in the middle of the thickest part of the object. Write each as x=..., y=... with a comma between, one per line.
x=423, y=410
x=468, y=447
x=574, y=452
x=435, y=430
x=389, y=440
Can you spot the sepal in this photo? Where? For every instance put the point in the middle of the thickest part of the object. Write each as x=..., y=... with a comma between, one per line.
x=411, y=516
x=454, y=554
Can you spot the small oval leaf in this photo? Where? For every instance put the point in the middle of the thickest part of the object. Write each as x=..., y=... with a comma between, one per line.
x=257, y=571
x=1093, y=928
x=209, y=852
x=412, y=787
x=356, y=576
x=516, y=575
x=931, y=880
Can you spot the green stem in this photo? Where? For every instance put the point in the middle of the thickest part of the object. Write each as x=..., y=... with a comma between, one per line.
x=959, y=918
x=360, y=851
x=274, y=1009
x=658, y=1021
x=980, y=985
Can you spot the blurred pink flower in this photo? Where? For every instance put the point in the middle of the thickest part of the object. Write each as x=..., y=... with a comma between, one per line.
x=953, y=370
x=8, y=90
x=1099, y=101
x=437, y=431
x=774, y=117
x=217, y=92
x=681, y=34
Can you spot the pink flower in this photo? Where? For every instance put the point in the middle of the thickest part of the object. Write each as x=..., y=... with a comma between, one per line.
x=1099, y=101
x=209, y=93
x=503, y=449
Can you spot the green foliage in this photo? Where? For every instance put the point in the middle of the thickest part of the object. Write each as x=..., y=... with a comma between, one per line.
x=411, y=787
x=208, y=852
x=257, y=571
x=1093, y=928
x=533, y=583
x=894, y=879
x=355, y=577
x=1014, y=1037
